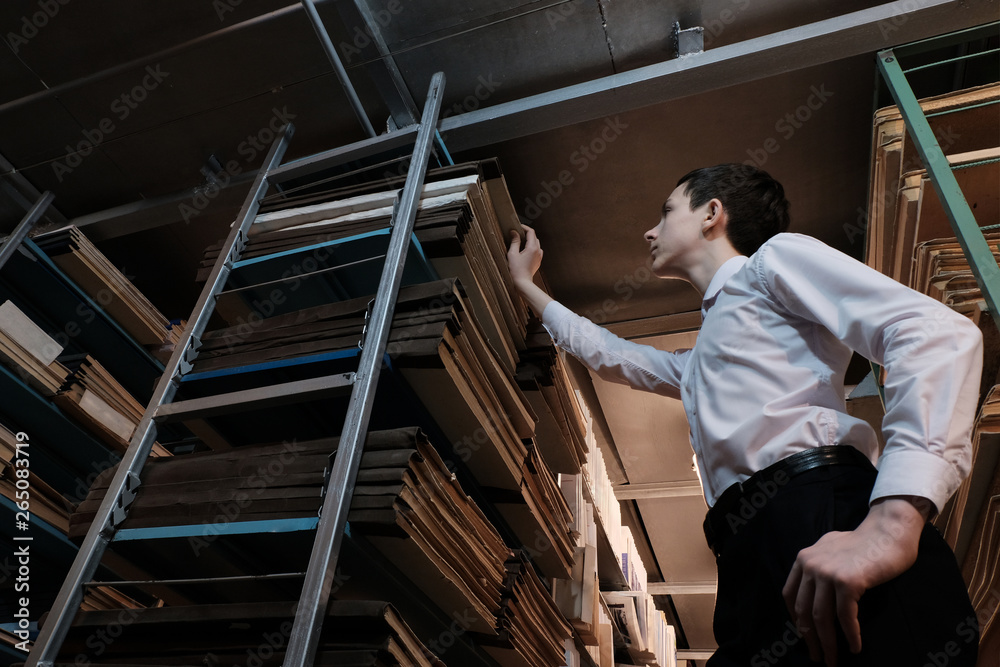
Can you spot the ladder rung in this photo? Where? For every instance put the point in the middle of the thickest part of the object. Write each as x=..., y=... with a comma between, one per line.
x=343, y=155
x=251, y=399
x=203, y=580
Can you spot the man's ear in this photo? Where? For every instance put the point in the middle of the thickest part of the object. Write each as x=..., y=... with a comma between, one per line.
x=715, y=219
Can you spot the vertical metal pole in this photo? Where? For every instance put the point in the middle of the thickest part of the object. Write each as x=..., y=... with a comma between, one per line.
x=67, y=603
x=409, y=113
x=330, y=532
x=970, y=237
x=338, y=67
x=11, y=243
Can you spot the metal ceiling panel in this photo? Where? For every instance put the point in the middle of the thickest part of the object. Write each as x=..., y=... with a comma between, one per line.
x=640, y=32
x=510, y=59
x=38, y=133
x=78, y=39
x=88, y=180
x=407, y=24
x=17, y=79
x=237, y=135
x=212, y=75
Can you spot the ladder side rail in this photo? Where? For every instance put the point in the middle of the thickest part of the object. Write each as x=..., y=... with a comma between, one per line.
x=338, y=66
x=13, y=242
x=323, y=559
x=970, y=236
x=123, y=485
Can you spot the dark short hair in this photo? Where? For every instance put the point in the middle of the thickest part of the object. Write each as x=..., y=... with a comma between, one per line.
x=755, y=203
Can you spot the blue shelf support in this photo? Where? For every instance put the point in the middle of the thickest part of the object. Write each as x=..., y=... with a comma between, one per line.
x=12, y=242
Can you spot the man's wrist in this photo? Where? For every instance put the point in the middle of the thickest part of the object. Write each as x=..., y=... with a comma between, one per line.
x=901, y=517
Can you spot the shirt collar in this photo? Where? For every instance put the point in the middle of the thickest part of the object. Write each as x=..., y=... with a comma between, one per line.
x=722, y=274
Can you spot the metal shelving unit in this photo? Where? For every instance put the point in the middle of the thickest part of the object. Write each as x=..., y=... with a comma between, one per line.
x=330, y=528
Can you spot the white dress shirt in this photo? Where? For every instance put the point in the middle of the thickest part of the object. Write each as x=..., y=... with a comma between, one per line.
x=765, y=377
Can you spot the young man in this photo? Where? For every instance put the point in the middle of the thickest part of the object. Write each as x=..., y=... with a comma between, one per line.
x=839, y=565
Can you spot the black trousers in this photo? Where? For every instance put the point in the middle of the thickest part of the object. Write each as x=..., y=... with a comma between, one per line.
x=921, y=618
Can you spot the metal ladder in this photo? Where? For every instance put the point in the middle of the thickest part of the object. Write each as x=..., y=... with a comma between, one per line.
x=319, y=575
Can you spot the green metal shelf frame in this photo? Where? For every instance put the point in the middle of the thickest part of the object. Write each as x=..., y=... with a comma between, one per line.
x=956, y=207
x=970, y=236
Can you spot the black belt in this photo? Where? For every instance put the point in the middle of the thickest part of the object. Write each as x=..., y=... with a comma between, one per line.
x=740, y=502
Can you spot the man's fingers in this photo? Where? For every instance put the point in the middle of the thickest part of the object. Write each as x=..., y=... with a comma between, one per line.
x=823, y=622
x=802, y=615
x=791, y=589
x=847, y=613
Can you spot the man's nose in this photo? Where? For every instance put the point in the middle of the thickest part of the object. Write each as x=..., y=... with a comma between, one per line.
x=650, y=235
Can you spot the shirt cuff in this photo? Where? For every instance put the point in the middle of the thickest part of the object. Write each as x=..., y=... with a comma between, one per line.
x=914, y=473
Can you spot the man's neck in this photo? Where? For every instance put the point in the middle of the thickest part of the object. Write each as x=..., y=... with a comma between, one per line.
x=700, y=274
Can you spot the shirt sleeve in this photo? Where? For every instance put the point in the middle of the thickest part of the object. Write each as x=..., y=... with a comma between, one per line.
x=933, y=358
x=641, y=366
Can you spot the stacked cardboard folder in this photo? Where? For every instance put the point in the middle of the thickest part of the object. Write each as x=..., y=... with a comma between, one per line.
x=904, y=211
x=407, y=505
x=108, y=287
x=530, y=630
x=46, y=502
x=441, y=352
x=30, y=352
x=357, y=633
x=911, y=239
x=981, y=567
x=462, y=225
x=561, y=431
x=93, y=397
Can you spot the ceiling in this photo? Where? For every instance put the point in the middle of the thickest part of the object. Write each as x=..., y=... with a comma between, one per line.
x=117, y=109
